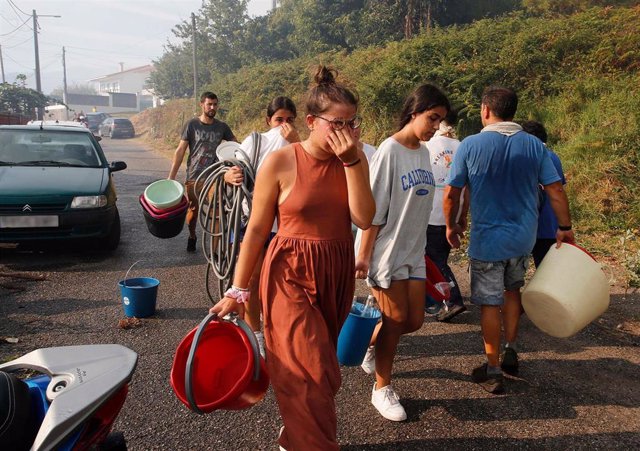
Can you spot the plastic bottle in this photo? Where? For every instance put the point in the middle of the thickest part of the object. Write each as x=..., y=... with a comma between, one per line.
x=370, y=307
x=354, y=306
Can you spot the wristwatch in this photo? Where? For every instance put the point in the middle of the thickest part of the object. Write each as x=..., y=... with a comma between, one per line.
x=564, y=228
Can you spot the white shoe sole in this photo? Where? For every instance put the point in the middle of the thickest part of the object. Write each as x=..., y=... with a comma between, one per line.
x=400, y=416
x=391, y=417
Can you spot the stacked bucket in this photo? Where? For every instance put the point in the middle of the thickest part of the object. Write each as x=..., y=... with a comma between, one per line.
x=164, y=206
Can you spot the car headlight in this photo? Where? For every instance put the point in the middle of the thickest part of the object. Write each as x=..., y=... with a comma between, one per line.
x=89, y=201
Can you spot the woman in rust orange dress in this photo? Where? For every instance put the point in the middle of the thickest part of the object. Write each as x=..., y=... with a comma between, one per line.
x=316, y=188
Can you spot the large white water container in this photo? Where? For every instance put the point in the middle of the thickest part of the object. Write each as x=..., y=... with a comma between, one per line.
x=568, y=291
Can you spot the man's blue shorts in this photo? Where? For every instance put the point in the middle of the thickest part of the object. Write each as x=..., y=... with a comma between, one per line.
x=490, y=279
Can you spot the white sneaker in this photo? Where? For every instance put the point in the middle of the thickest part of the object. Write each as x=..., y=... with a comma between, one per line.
x=388, y=403
x=260, y=337
x=369, y=361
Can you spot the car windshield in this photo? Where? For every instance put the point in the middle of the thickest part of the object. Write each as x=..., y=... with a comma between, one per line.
x=122, y=121
x=33, y=147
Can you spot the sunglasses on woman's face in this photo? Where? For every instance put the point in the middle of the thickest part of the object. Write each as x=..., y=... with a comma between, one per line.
x=339, y=124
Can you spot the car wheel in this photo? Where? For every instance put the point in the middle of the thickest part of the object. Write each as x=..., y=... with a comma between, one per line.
x=111, y=241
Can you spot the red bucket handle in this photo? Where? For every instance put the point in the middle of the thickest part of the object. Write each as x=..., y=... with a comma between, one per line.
x=583, y=250
x=234, y=319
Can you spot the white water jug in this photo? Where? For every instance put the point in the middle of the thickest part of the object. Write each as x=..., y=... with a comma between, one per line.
x=567, y=291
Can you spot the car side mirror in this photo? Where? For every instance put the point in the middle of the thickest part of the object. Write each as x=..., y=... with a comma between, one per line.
x=116, y=166
x=98, y=138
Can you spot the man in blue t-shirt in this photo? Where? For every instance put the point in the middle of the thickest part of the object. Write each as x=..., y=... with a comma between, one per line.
x=502, y=166
x=547, y=222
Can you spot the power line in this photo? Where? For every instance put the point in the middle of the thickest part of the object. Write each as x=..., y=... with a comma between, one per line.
x=53, y=61
x=7, y=20
x=16, y=6
x=106, y=51
x=19, y=64
x=19, y=44
x=17, y=28
x=14, y=11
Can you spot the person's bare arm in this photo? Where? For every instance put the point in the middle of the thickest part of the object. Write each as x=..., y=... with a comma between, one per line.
x=363, y=259
x=178, y=156
x=560, y=204
x=265, y=202
x=464, y=209
x=361, y=203
x=451, y=207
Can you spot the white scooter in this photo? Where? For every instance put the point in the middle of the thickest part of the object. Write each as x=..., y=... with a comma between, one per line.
x=71, y=404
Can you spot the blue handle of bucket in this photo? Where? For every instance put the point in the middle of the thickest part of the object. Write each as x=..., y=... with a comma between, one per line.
x=194, y=345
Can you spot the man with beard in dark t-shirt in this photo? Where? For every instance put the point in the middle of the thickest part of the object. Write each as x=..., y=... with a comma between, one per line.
x=202, y=136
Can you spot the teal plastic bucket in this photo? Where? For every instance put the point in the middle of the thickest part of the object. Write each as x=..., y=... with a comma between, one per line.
x=138, y=296
x=355, y=335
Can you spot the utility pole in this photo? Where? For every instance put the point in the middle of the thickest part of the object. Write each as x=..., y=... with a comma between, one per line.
x=64, y=85
x=195, y=67
x=35, y=47
x=2, y=65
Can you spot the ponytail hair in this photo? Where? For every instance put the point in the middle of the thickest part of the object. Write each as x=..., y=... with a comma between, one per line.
x=424, y=97
x=327, y=92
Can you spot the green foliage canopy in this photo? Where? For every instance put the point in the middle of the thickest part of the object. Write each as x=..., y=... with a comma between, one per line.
x=18, y=99
x=227, y=39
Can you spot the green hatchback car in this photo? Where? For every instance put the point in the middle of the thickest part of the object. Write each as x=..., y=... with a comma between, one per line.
x=55, y=183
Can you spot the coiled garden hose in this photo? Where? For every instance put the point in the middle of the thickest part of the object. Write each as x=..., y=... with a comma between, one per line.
x=221, y=214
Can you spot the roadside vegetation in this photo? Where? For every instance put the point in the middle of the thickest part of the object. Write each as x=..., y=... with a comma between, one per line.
x=576, y=69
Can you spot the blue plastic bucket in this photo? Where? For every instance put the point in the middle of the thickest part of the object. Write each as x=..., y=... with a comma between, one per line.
x=355, y=336
x=139, y=296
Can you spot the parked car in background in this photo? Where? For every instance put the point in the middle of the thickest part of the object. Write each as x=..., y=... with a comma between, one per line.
x=49, y=122
x=56, y=183
x=115, y=127
x=95, y=119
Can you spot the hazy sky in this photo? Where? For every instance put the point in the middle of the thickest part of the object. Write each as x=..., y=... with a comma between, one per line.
x=97, y=35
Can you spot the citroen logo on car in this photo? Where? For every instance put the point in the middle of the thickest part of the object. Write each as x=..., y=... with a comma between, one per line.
x=27, y=207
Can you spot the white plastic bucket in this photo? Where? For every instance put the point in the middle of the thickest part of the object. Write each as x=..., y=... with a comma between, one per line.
x=164, y=193
x=567, y=292
x=227, y=150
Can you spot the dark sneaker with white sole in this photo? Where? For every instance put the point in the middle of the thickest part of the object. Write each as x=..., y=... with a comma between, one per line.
x=510, y=362
x=493, y=383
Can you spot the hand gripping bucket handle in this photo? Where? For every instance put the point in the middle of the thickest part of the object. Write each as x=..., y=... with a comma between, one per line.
x=194, y=345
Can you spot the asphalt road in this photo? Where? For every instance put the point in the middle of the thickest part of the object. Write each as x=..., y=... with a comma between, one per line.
x=578, y=393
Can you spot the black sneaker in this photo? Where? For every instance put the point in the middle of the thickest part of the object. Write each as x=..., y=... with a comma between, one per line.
x=433, y=309
x=448, y=315
x=510, y=362
x=191, y=244
x=493, y=383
